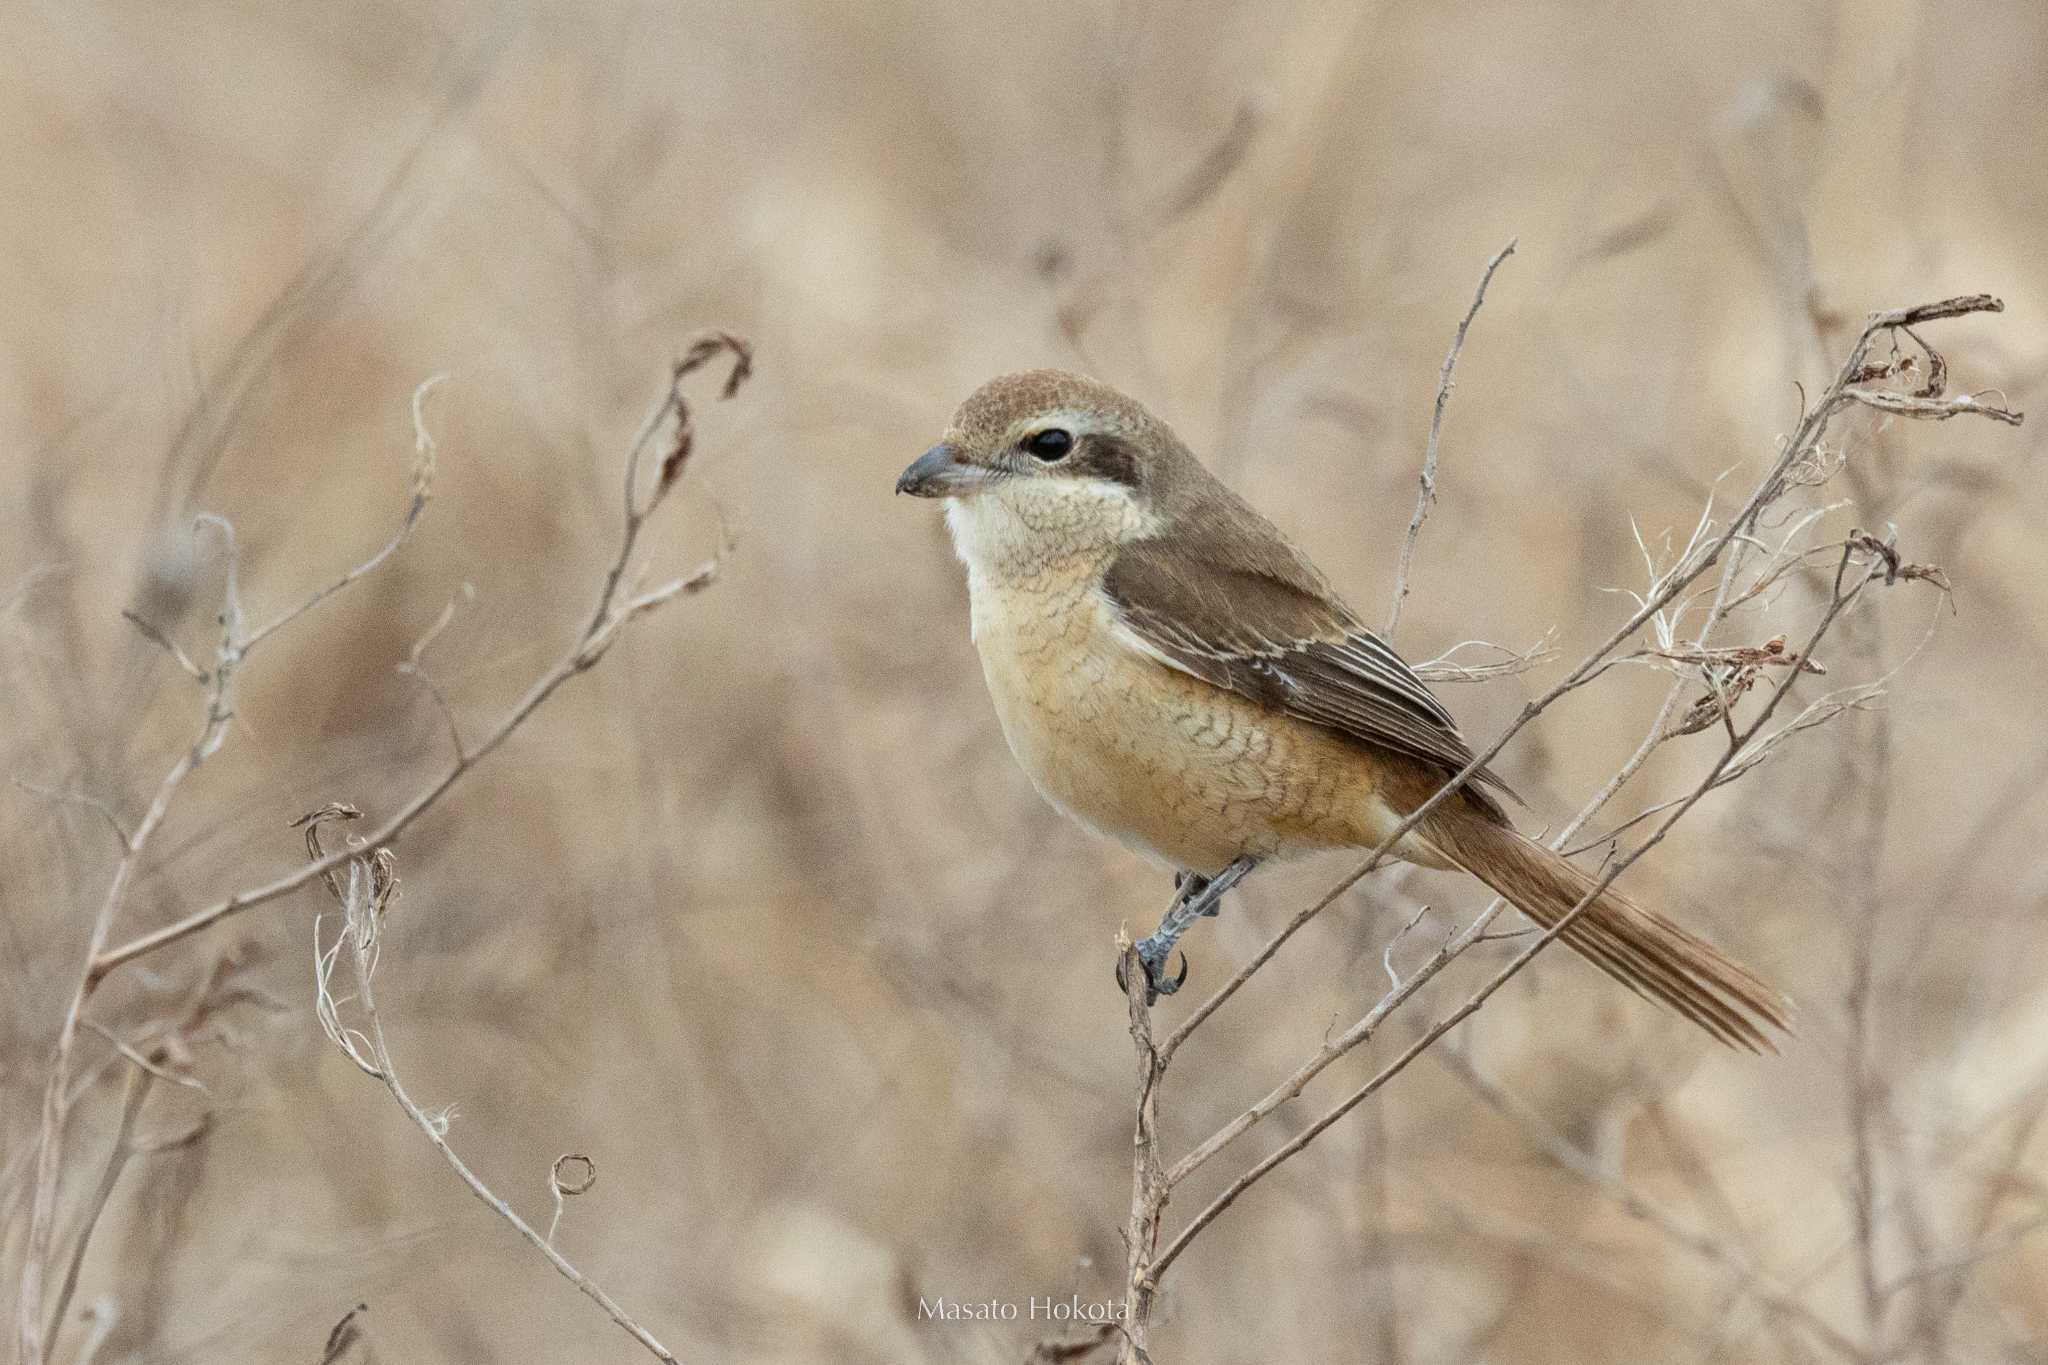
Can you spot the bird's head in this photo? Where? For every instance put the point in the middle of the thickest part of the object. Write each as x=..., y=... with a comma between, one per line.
x=1045, y=464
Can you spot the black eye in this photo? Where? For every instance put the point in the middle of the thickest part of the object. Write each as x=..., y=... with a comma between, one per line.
x=1050, y=444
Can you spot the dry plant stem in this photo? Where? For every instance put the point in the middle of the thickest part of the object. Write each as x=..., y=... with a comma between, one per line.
x=1148, y=1181
x=1805, y=438
x=1512, y=661
x=617, y=604
x=415, y=666
x=1866, y=1101
x=50, y=1135
x=1839, y=602
x=236, y=641
x=614, y=609
x=1425, y=495
x=380, y=1052
x=424, y=460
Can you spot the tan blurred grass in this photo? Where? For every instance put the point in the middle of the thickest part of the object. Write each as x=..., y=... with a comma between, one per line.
x=761, y=915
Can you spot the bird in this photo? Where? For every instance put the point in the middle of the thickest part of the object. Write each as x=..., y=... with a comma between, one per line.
x=1174, y=674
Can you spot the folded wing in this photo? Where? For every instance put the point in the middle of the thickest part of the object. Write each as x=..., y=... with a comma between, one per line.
x=1247, y=613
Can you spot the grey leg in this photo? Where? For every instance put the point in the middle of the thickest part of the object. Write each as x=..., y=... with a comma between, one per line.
x=1194, y=897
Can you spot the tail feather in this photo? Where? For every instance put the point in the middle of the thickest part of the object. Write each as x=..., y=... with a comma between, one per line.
x=1640, y=948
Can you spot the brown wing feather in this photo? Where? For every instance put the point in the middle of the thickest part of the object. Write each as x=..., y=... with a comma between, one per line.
x=1227, y=599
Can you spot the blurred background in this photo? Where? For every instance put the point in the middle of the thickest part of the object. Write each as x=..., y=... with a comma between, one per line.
x=760, y=914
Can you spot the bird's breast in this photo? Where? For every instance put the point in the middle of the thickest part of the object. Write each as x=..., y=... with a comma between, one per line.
x=1191, y=773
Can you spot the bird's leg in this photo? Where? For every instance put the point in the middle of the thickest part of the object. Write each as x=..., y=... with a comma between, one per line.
x=1191, y=885
x=1194, y=897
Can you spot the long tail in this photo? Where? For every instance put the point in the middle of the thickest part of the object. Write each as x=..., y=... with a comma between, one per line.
x=1637, y=947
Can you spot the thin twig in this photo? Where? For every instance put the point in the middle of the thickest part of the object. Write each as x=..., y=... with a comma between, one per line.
x=1934, y=409
x=362, y=909
x=423, y=468
x=1149, y=1184
x=156, y=636
x=1863, y=1091
x=1425, y=495
x=1444, y=668
x=415, y=665
x=134, y=1055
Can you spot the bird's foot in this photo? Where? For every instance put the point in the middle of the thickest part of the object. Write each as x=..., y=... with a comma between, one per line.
x=1194, y=897
x=1152, y=955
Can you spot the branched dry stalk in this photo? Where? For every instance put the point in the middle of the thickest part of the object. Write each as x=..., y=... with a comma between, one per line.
x=623, y=598
x=366, y=894
x=1749, y=567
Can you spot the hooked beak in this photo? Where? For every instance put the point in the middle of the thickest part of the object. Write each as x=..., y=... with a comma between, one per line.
x=940, y=472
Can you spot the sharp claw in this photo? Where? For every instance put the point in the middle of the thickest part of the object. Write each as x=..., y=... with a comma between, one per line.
x=1156, y=983
x=1155, y=978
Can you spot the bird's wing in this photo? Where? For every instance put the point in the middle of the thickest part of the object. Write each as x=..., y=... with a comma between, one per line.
x=1250, y=615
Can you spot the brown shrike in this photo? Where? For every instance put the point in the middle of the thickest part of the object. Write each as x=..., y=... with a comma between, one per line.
x=1171, y=672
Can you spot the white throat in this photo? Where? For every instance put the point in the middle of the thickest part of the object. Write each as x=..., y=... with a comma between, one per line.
x=1018, y=530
